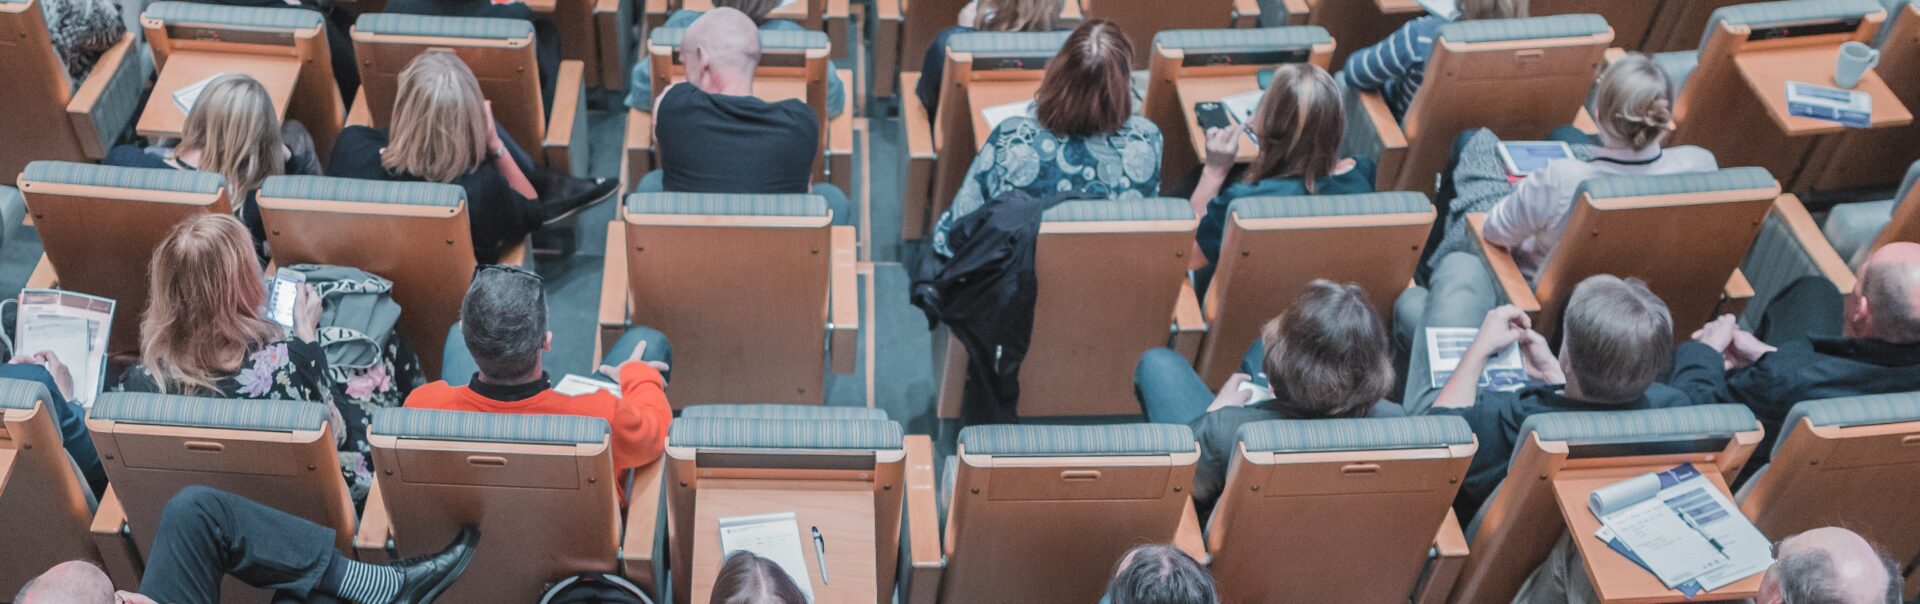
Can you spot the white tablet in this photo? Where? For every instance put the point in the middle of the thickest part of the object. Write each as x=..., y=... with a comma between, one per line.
x=1523, y=157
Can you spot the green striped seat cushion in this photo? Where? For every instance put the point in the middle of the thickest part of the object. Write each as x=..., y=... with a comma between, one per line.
x=727, y=204
x=1016, y=440
x=396, y=24
x=1315, y=206
x=1852, y=411
x=1242, y=40
x=1641, y=426
x=799, y=434
x=1008, y=43
x=1096, y=210
x=1533, y=28
x=201, y=412
x=1792, y=12
x=236, y=16
x=435, y=424
x=1775, y=261
x=1678, y=64
x=328, y=188
x=774, y=40
x=21, y=394
x=1364, y=434
x=783, y=412
x=1726, y=179
x=151, y=179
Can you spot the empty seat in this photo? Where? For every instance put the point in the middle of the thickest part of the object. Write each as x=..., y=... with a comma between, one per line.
x=1274, y=246
x=761, y=283
x=1112, y=285
x=1143, y=20
x=1044, y=513
x=1518, y=77
x=215, y=37
x=983, y=69
x=45, y=504
x=1878, y=157
x=501, y=54
x=1354, y=504
x=1624, y=226
x=1519, y=525
x=1193, y=66
x=541, y=489
x=99, y=226
x=1857, y=229
x=49, y=116
x=411, y=233
x=843, y=479
x=279, y=453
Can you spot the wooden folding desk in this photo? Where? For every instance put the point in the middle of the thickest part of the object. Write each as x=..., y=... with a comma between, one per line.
x=1767, y=72
x=842, y=511
x=1616, y=579
x=162, y=118
x=1194, y=90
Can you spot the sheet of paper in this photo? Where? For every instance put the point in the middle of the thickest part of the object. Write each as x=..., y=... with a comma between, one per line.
x=1445, y=346
x=999, y=113
x=66, y=337
x=775, y=537
x=1671, y=549
x=576, y=385
x=186, y=96
x=87, y=366
x=1748, y=551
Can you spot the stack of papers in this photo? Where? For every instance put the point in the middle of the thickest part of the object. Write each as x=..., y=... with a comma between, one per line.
x=72, y=326
x=576, y=385
x=775, y=537
x=1681, y=528
x=1851, y=108
x=1445, y=346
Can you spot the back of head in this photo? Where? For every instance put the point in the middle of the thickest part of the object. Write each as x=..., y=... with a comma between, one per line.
x=204, y=297
x=1299, y=124
x=74, y=582
x=1890, y=285
x=1160, y=574
x=1616, y=339
x=750, y=579
x=1493, y=9
x=723, y=41
x=439, y=126
x=504, y=322
x=1018, y=15
x=1831, y=566
x=1633, y=103
x=1328, y=354
x=234, y=128
x=1088, y=88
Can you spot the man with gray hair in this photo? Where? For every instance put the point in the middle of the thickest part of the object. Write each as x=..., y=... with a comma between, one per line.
x=498, y=343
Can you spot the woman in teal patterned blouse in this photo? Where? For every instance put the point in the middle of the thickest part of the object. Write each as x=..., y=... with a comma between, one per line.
x=1081, y=136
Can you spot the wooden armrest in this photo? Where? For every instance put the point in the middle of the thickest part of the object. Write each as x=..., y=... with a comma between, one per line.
x=1189, y=538
x=43, y=276
x=1388, y=138
x=636, y=156
x=923, y=524
x=544, y=7
x=1801, y=224
x=1189, y=325
x=919, y=127
x=117, y=554
x=643, y=519
x=359, y=114
x=1505, y=271
x=613, y=290
x=609, y=22
x=120, y=56
x=373, y=542
x=843, y=316
x=1450, y=557
x=569, y=113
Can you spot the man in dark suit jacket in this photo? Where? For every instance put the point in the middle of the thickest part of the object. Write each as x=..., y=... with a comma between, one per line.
x=1814, y=344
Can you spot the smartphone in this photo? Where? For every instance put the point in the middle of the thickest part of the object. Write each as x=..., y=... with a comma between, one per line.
x=1211, y=114
x=284, y=291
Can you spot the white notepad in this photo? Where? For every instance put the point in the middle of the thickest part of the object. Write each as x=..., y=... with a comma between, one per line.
x=775, y=537
x=186, y=96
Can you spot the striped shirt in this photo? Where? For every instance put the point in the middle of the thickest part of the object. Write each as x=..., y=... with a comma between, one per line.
x=1396, y=65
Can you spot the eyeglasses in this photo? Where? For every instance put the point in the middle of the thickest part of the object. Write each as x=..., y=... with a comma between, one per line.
x=509, y=269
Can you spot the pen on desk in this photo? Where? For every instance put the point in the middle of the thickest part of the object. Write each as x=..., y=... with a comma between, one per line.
x=820, y=554
x=1685, y=517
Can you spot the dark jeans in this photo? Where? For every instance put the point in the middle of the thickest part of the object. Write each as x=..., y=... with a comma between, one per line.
x=655, y=182
x=206, y=534
x=457, y=366
x=1809, y=306
x=1171, y=392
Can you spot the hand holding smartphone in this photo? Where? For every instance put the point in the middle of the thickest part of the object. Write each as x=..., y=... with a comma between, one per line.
x=283, y=294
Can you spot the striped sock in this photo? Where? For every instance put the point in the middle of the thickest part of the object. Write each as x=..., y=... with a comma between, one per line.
x=361, y=582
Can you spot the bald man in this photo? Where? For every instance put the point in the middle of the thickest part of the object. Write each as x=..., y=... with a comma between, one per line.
x=1814, y=344
x=715, y=137
x=1821, y=566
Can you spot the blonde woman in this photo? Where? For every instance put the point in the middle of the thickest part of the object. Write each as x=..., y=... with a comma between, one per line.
x=442, y=130
x=1396, y=65
x=982, y=15
x=232, y=131
x=640, y=87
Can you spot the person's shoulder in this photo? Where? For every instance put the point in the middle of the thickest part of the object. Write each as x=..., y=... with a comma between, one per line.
x=1386, y=409
x=1661, y=396
x=1693, y=157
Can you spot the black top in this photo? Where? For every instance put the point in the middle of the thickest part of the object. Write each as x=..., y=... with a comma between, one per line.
x=1496, y=418
x=499, y=217
x=508, y=393
x=717, y=143
x=1813, y=369
x=132, y=156
x=1218, y=432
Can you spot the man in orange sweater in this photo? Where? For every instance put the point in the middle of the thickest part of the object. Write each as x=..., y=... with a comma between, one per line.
x=503, y=331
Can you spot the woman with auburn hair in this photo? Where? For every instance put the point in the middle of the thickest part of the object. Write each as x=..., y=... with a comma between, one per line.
x=206, y=332
x=234, y=132
x=1081, y=137
x=1298, y=126
x=982, y=15
x=1398, y=64
x=442, y=130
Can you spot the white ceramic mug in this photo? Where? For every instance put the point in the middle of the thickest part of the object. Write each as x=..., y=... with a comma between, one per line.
x=1855, y=59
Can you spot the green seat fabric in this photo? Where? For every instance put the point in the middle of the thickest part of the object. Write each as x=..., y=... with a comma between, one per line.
x=202, y=412
x=1533, y=28
x=779, y=40
x=1851, y=411
x=802, y=434
x=328, y=188
x=1098, y=210
x=1725, y=179
x=252, y=17
x=434, y=424
x=22, y=394
x=782, y=412
x=727, y=204
x=1365, y=434
x=116, y=177
x=1642, y=425
x=1392, y=202
x=1116, y=440
x=396, y=24
x=1007, y=43
x=1233, y=40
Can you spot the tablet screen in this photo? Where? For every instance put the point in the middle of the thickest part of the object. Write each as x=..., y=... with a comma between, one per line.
x=1524, y=158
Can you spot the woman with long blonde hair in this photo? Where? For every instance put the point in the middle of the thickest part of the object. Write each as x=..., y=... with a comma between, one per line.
x=232, y=131
x=982, y=15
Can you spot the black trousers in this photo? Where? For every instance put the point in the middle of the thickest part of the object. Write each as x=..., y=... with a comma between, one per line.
x=1807, y=307
x=206, y=534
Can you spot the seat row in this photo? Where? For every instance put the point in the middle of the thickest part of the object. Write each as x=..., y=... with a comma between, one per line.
x=1359, y=509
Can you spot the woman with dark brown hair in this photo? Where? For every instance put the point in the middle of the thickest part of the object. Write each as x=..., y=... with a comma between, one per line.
x=749, y=579
x=1297, y=128
x=1080, y=137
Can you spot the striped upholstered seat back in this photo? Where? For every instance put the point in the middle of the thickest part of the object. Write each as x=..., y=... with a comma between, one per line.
x=414, y=234
x=45, y=504
x=278, y=452
x=1849, y=462
x=544, y=484
x=1041, y=513
x=499, y=51
x=39, y=90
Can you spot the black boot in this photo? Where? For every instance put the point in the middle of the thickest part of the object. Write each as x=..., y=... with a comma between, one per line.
x=424, y=578
x=562, y=195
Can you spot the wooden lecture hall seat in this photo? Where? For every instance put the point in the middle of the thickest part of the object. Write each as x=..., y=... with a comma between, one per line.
x=285, y=50
x=1194, y=66
x=46, y=506
x=1856, y=229
x=49, y=116
x=1142, y=20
